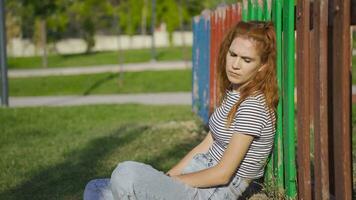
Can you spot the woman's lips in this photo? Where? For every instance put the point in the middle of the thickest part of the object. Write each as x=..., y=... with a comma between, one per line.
x=234, y=74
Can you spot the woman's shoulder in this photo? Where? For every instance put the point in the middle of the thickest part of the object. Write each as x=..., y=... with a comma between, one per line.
x=257, y=99
x=258, y=104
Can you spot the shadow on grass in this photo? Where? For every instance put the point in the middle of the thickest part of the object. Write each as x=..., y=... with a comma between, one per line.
x=68, y=179
x=99, y=82
x=159, y=55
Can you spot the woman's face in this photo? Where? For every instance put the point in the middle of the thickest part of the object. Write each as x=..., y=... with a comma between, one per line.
x=242, y=61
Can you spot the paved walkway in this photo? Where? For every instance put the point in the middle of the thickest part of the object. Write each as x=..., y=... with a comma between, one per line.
x=167, y=98
x=175, y=98
x=162, y=65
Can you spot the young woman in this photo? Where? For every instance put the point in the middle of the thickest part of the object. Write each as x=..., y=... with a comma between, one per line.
x=242, y=128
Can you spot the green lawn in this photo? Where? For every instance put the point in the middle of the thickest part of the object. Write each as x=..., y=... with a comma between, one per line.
x=51, y=153
x=106, y=83
x=99, y=58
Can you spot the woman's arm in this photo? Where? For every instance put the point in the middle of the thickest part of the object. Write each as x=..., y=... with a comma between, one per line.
x=221, y=173
x=200, y=148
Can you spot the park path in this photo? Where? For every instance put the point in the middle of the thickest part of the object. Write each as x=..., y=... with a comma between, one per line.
x=129, y=67
x=171, y=98
x=166, y=98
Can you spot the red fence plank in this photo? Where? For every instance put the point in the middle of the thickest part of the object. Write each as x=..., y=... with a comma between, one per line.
x=341, y=90
x=222, y=19
x=303, y=104
x=214, y=49
x=321, y=158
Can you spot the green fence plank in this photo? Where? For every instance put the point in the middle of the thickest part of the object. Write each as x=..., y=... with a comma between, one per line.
x=267, y=10
x=278, y=151
x=259, y=10
x=269, y=175
x=244, y=10
x=288, y=116
x=250, y=10
x=282, y=161
x=254, y=9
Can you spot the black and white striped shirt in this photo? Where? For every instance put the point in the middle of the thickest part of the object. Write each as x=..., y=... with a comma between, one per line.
x=251, y=118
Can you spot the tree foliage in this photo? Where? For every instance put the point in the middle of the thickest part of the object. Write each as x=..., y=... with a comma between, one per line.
x=84, y=18
x=13, y=21
x=88, y=14
x=130, y=14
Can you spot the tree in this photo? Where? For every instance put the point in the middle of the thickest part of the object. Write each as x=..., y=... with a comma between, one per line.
x=88, y=13
x=48, y=21
x=13, y=21
x=130, y=14
x=167, y=12
x=38, y=18
x=41, y=10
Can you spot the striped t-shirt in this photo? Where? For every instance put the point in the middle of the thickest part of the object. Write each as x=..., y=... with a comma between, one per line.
x=252, y=118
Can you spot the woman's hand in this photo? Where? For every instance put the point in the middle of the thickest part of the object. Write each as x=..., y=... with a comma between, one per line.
x=221, y=173
x=203, y=147
x=173, y=172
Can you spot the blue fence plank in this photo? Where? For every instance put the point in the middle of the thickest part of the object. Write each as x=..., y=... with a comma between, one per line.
x=201, y=66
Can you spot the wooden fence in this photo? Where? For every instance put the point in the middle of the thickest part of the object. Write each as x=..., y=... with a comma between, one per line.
x=320, y=30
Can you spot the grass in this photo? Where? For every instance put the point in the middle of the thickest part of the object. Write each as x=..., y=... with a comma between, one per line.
x=51, y=153
x=106, y=83
x=99, y=58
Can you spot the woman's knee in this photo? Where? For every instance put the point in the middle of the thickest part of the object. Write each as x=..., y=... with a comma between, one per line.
x=126, y=174
x=90, y=185
x=97, y=188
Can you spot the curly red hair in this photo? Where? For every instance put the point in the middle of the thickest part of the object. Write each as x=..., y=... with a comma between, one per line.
x=264, y=36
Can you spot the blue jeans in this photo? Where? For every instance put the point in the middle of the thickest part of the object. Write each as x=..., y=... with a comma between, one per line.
x=134, y=180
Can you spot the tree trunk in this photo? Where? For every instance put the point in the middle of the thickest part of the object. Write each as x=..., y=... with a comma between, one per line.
x=44, y=43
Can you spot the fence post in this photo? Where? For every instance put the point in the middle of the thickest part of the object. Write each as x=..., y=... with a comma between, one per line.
x=341, y=98
x=278, y=150
x=3, y=62
x=244, y=10
x=201, y=64
x=303, y=124
x=259, y=5
x=214, y=50
x=320, y=94
x=288, y=116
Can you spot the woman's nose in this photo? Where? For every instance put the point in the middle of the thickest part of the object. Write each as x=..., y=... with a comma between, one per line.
x=236, y=63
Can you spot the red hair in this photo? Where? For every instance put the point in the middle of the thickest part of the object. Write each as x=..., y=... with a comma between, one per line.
x=265, y=81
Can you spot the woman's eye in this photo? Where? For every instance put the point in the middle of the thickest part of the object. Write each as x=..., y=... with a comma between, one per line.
x=247, y=61
x=232, y=54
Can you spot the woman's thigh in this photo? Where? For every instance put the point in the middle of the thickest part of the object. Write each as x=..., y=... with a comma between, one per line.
x=133, y=180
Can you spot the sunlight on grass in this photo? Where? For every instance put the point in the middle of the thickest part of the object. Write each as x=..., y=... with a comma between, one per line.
x=106, y=83
x=99, y=58
x=51, y=153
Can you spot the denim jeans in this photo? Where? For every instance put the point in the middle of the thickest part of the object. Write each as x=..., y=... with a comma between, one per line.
x=138, y=181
